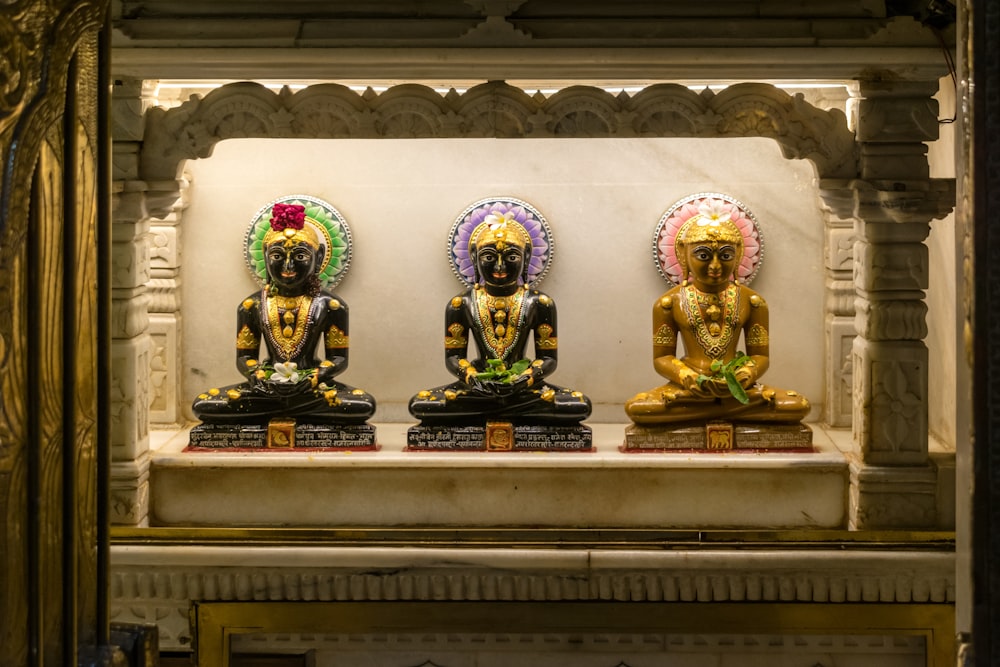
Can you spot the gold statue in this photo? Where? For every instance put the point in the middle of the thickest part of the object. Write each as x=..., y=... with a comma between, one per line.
x=707, y=312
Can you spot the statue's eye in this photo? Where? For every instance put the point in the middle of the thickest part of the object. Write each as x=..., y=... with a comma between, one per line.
x=727, y=255
x=513, y=256
x=702, y=255
x=488, y=256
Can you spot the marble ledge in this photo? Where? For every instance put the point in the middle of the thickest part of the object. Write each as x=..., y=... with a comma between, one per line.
x=604, y=488
x=370, y=560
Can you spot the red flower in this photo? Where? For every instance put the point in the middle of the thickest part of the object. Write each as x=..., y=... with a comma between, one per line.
x=284, y=216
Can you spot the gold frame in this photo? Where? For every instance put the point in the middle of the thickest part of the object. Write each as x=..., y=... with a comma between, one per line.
x=216, y=623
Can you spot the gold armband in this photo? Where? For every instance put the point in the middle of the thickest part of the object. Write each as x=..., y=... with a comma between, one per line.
x=336, y=338
x=758, y=335
x=664, y=336
x=457, y=339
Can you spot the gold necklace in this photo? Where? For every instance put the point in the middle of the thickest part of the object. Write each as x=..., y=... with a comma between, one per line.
x=499, y=318
x=288, y=320
x=714, y=335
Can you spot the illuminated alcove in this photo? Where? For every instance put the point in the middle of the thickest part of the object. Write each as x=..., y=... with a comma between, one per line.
x=602, y=198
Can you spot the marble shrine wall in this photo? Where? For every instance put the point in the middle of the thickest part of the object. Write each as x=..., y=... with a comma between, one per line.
x=602, y=198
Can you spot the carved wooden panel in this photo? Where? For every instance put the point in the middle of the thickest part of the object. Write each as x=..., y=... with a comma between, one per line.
x=49, y=591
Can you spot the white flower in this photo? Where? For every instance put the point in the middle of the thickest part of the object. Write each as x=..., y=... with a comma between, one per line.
x=715, y=210
x=285, y=372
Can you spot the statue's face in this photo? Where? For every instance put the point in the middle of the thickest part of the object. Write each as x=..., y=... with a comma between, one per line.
x=290, y=265
x=712, y=264
x=500, y=267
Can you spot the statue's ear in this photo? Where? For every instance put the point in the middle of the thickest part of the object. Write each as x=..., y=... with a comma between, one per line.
x=474, y=256
x=526, y=264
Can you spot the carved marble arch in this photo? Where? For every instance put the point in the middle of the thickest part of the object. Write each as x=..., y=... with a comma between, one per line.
x=495, y=109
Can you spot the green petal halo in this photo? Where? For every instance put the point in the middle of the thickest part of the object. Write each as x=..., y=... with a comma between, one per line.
x=330, y=227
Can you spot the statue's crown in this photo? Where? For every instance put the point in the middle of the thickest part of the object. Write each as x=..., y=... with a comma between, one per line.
x=288, y=225
x=701, y=229
x=500, y=231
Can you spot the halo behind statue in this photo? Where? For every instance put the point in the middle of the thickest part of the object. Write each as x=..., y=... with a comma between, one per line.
x=717, y=207
x=505, y=208
x=329, y=225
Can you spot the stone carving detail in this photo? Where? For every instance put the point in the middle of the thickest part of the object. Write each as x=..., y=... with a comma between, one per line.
x=892, y=266
x=840, y=311
x=840, y=298
x=129, y=317
x=896, y=403
x=891, y=319
x=130, y=491
x=494, y=109
x=840, y=247
x=839, y=377
x=129, y=388
x=136, y=589
x=890, y=401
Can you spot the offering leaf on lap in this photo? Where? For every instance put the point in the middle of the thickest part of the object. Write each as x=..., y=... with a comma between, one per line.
x=497, y=371
x=727, y=372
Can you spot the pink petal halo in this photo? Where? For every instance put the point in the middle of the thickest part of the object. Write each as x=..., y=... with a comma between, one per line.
x=664, y=250
x=524, y=213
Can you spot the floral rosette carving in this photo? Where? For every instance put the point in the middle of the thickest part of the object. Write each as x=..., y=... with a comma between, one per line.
x=17, y=48
x=712, y=206
x=296, y=211
x=502, y=209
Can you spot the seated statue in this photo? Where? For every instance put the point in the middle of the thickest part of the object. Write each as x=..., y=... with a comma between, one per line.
x=499, y=313
x=708, y=311
x=293, y=317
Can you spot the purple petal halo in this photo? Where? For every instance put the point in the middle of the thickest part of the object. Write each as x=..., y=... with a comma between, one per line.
x=503, y=207
x=664, y=252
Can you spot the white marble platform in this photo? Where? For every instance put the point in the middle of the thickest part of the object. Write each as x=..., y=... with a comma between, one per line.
x=605, y=488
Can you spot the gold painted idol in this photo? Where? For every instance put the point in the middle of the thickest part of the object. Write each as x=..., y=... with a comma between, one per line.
x=712, y=315
x=292, y=335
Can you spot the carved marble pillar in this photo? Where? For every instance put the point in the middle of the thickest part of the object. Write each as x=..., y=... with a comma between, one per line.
x=893, y=483
x=165, y=315
x=839, y=265
x=131, y=345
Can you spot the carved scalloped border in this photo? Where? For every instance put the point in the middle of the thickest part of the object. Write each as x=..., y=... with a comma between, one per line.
x=495, y=109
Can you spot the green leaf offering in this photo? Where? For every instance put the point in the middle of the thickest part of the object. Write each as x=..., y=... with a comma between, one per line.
x=727, y=371
x=497, y=371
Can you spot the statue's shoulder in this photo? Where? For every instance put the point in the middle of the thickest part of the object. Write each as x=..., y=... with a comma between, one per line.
x=250, y=303
x=751, y=297
x=669, y=298
x=541, y=298
x=460, y=301
x=330, y=300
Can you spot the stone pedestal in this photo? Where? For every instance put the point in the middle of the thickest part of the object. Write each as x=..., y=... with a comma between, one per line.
x=897, y=496
x=500, y=437
x=284, y=436
x=718, y=436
